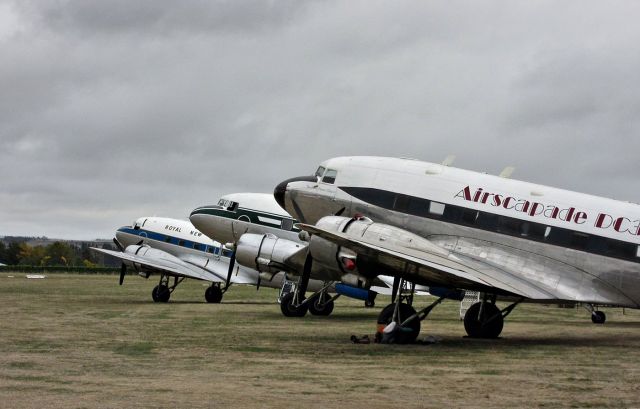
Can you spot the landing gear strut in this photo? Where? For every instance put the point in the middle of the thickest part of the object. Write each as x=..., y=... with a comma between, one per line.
x=399, y=322
x=162, y=292
x=597, y=317
x=485, y=320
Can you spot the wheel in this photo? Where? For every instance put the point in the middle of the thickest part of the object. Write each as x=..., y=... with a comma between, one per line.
x=161, y=293
x=598, y=317
x=369, y=304
x=477, y=326
x=288, y=310
x=213, y=294
x=405, y=335
x=317, y=308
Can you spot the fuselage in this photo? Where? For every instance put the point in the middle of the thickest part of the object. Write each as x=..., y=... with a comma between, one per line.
x=240, y=213
x=176, y=237
x=585, y=245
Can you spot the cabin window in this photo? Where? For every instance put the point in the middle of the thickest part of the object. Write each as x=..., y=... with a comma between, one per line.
x=579, y=240
x=488, y=221
x=181, y=243
x=401, y=203
x=638, y=251
x=330, y=176
x=209, y=249
x=621, y=249
x=436, y=208
x=167, y=239
x=196, y=246
x=226, y=252
x=287, y=224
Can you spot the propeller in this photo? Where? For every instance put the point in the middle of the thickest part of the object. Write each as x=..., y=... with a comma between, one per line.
x=118, y=245
x=123, y=271
x=232, y=263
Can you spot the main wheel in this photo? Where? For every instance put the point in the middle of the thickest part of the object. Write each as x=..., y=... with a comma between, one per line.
x=369, y=303
x=161, y=293
x=288, y=309
x=598, y=317
x=486, y=325
x=213, y=294
x=407, y=334
x=316, y=307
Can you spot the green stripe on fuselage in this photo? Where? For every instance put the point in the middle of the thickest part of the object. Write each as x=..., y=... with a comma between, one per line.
x=241, y=213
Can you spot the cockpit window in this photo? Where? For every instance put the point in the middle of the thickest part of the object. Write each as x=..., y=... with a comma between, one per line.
x=320, y=171
x=329, y=176
x=228, y=204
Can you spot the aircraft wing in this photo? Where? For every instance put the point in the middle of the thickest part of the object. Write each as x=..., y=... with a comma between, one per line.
x=214, y=270
x=443, y=269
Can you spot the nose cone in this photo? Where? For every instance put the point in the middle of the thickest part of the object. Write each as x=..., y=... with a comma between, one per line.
x=280, y=191
x=214, y=221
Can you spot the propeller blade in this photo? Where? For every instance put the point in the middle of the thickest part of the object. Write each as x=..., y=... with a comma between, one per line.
x=118, y=245
x=232, y=262
x=123, y=271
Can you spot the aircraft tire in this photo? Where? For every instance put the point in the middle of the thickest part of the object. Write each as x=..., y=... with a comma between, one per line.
x=475, y=325
x=598, y=317
x=405, y=335
x=369, y=304
x=316, y=308
x=213, y=294
x=288, y=310
x=161, y=293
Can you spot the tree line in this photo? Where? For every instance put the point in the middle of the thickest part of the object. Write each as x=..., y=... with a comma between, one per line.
x=56, y=254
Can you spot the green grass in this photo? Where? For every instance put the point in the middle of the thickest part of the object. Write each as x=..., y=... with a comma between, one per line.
x=84, y=341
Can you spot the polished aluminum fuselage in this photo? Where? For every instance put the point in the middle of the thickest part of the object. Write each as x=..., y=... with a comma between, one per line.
x=576, y=275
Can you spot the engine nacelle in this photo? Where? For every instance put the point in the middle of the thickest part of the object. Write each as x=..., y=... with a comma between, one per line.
x=350, y=264
x=267, y=253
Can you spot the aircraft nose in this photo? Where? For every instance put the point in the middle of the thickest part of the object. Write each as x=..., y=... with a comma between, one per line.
x=279, y=192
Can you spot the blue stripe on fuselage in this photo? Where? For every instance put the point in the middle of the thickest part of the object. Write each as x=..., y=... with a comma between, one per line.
x=147, y=234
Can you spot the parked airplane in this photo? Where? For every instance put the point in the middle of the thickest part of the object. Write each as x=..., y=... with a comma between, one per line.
x=461, y=230
x=175, y=248
x=254, y=223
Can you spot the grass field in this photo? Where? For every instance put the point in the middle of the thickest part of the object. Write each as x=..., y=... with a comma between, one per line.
x=83, y=341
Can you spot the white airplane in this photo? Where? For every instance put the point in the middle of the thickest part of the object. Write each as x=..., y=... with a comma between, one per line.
x=254, y=224
x=459, y=230
x=175, y=248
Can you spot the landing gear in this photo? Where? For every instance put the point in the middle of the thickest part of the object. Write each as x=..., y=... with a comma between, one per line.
x=399, y=322
x=162, y=292
x=406, y=334
x=321, y=304
x=369, y=304
x=290, y=308
x=213, y=294
x=485, y=320
x=597, y=317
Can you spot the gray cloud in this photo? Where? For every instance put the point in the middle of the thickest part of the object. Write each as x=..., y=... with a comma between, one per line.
x=114, y=110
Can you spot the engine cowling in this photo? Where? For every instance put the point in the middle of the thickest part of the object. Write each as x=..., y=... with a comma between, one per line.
x=354, y=268
x=267, y=253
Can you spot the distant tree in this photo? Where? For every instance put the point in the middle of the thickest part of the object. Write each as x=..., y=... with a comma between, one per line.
x=32, y=256
x=12, y=253
x=3, y=253
x=60, y=254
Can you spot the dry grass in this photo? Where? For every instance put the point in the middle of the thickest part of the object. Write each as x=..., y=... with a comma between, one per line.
x=83, y=341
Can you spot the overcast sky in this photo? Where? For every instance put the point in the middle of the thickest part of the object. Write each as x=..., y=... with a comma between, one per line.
x=112, y=110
